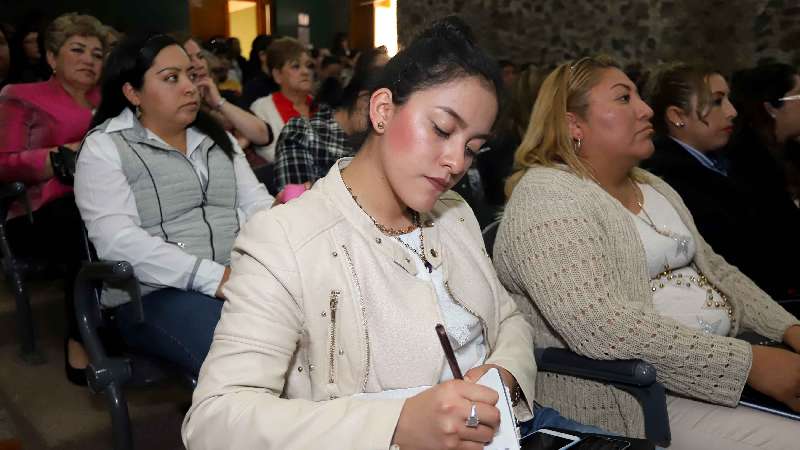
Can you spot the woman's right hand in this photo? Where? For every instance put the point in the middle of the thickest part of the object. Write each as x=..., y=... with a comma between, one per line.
x=776, y=372
x=436, y=418
x=225, y=276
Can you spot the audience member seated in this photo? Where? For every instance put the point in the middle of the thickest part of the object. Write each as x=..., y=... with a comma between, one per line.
x=5, y=55
x=28, y=65
x=161, y=185
x=693, y=119
x=258, y=81
x=766, y=98
x=495, y=164
x=219, y=67
x=292, y=69
x=330, y=67
x=605, y=259
x=246, y=127
x=333, y=297
x=238, y=63
x=42, y=126
x=307, y=149
x=509, y=72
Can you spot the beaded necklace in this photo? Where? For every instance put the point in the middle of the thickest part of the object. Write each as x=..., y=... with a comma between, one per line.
x=396, y=232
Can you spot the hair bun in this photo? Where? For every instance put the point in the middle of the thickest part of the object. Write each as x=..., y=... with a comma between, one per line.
x=451, y=28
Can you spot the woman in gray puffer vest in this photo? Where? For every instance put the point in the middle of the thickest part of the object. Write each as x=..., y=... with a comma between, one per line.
x=161, y=185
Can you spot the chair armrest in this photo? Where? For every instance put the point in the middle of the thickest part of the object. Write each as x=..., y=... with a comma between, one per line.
x=631, y=372
x=636, y=377
x=11, y=190
x=102, y=370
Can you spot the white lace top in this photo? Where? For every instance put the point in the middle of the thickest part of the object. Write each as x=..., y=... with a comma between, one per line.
x=681, y=294
x=464, y=329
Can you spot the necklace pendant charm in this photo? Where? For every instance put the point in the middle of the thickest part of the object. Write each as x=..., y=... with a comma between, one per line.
x=683, y=246
x=428, y=266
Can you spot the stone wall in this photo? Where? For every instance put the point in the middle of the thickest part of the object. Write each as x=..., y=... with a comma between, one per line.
x=728, y=34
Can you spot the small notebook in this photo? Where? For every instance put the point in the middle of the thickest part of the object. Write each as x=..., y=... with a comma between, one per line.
x=507, y=436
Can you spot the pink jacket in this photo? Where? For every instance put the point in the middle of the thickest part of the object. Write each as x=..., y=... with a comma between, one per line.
x=35, y=118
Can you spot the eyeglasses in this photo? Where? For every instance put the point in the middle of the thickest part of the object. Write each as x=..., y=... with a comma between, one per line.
x=789, y=97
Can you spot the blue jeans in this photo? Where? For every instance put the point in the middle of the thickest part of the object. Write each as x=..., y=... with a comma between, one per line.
x=178, y=326
x=544, y=417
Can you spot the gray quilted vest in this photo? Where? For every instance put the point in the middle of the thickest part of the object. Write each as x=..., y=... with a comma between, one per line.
x=172, y=201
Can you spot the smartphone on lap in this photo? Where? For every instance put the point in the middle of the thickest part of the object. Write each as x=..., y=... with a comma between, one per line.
x=544, y=439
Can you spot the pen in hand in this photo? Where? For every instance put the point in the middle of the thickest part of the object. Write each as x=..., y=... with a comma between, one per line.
x=448, y=352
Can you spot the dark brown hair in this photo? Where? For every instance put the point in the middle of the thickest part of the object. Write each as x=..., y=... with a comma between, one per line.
x=676, y=84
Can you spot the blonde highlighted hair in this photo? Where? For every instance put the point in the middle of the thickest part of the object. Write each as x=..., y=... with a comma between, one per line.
x=73, y=24
x=547, y=141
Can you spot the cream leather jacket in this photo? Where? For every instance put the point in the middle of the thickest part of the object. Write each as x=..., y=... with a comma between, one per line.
x=322, y=306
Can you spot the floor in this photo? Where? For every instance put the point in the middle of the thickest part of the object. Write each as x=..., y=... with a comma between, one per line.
x=40, y=409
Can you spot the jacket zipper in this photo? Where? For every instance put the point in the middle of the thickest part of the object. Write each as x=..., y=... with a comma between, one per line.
x=363, y=317
x=332, y=350
x=483, y=322
x=205, y=201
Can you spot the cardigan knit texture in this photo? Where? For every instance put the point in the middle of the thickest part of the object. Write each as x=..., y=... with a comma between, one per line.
x=571, y=257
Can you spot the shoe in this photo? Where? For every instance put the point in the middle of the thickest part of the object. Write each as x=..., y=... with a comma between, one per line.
x=74, y=375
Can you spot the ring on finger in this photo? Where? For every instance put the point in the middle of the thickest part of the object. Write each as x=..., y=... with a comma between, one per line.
x=472, y=420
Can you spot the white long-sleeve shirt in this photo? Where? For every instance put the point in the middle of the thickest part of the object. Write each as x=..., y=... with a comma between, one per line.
x=108, y=209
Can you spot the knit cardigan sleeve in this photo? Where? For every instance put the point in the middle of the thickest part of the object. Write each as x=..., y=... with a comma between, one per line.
x=558, y=247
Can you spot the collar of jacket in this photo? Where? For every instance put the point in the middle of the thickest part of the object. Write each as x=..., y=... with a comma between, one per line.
x=333, y=186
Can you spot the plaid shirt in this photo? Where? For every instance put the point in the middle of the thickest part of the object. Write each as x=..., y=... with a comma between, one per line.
x=307, y=148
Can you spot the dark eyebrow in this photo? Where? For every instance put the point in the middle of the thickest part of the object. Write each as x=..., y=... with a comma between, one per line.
x=461, y=122
x=454, y=114
x=177, y=69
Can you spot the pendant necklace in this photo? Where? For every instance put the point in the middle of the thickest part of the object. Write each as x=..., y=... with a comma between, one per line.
x=681, y=240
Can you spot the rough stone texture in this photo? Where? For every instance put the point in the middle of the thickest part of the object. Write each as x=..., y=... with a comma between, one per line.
x=727, y=34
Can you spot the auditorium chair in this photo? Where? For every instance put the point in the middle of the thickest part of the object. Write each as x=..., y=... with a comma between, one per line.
x=111, y=370
x=14, y=271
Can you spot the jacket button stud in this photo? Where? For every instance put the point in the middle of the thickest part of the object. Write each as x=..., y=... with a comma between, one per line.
x=335, y=254
x=299, y=369
x=378, y=240
x=433, y=253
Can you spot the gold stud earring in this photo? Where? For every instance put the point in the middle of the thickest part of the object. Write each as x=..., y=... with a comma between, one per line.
x=380, y=125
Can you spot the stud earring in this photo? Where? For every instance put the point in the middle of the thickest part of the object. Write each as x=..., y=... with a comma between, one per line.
x=380, y=125
x=680, y=124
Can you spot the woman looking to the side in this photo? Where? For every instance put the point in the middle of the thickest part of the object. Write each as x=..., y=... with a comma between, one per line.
x=163, y=186
x=605, y=259
x=243, y=124
x=694, y=118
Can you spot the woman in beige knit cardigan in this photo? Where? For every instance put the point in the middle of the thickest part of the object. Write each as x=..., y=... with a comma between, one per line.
x=605, y=259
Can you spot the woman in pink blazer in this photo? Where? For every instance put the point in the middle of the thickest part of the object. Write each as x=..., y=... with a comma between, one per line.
x=43, y=124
